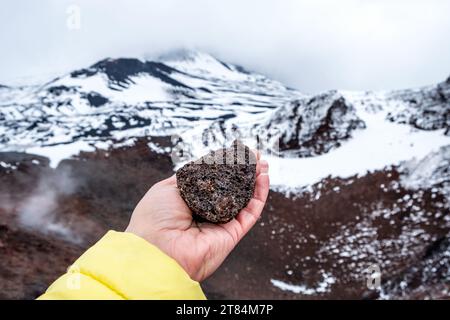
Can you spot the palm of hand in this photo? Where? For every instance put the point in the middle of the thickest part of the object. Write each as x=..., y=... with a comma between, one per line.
x=163, y=218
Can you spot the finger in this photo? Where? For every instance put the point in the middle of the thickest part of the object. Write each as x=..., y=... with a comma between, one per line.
x=251, y=213
x=258, y=168
x=262, y=182
x=263, y=167
x=234, y=229
x=262, y=187
x=246, y=221
x=171, y=180
x=257, y=154
x=256, y=204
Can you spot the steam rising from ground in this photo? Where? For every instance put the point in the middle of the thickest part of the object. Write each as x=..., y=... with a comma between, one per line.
x=40, y=210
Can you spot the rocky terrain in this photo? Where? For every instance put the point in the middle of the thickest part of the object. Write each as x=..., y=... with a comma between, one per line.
x=360, y=180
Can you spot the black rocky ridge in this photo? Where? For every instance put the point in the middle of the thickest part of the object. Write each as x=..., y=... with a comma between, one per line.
x=121, y=71
x=313, y=125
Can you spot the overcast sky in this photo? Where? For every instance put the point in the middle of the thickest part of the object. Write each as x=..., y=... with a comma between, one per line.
x=310, y=45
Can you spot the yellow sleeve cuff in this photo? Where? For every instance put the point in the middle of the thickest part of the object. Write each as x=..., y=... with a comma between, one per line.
x=124, y=266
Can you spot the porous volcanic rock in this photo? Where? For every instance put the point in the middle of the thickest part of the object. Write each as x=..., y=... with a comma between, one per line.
x=219, y=185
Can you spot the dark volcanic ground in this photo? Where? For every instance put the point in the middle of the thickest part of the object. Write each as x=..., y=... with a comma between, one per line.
x=319, y=242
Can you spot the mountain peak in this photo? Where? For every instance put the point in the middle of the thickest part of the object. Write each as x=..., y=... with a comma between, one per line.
x=195, y=63
x=182, y=55
x=201, y=64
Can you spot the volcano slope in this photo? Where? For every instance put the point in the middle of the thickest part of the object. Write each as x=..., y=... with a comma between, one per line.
x=360, y=181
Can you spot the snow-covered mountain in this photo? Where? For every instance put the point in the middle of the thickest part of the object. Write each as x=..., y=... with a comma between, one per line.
x=207, y=102
x=115, y=100
x=357, y=178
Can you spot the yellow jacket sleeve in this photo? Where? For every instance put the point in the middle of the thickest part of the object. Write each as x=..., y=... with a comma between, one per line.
x=124, y=266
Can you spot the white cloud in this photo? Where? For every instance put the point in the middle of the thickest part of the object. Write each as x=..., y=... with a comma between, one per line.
x=312, y=45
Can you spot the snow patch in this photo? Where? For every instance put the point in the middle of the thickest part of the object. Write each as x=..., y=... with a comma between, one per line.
x=203, y=64
x=8, y=165
x=428, y=172
x=381, y=144
x=59, y=152
x=142, y=88
x=321, y=287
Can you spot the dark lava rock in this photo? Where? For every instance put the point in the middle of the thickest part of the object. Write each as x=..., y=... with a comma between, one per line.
x=219, y=185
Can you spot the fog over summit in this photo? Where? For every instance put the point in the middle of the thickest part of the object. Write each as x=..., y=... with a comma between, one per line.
x=309, y=45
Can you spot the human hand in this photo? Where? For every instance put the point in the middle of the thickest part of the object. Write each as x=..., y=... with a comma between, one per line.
x=163, y=219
